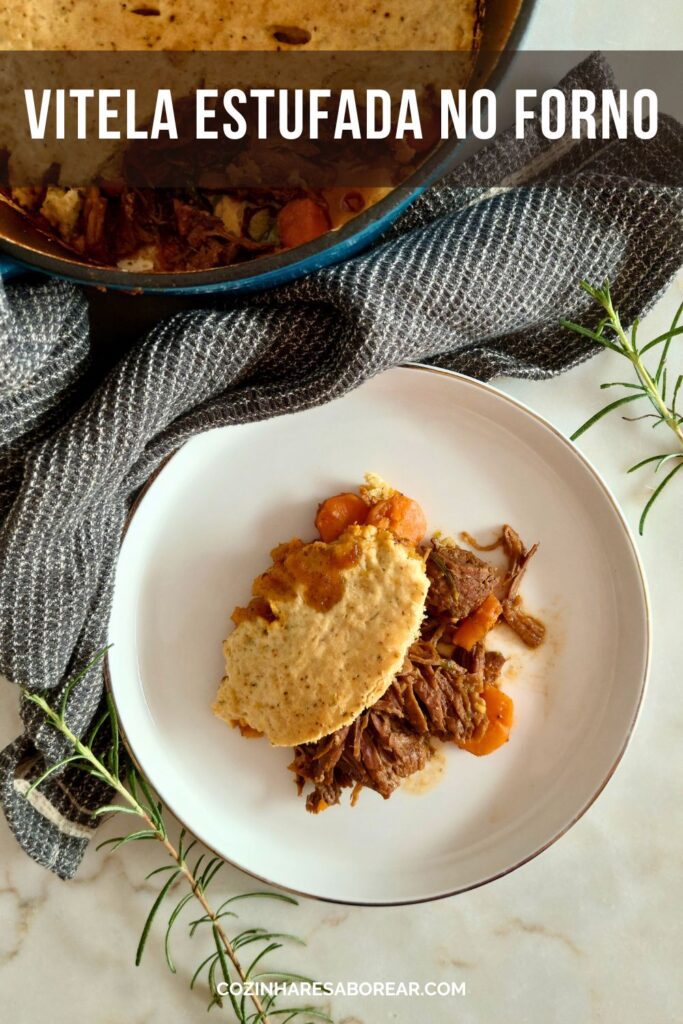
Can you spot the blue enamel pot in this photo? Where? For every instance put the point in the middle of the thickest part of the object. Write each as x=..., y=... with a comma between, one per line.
x=23, y=248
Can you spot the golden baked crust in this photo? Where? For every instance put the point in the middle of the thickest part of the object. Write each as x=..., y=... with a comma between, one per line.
x=236, y=25
x=310, y=671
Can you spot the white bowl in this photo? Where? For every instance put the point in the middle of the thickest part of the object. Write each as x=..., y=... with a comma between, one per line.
x=475, y=459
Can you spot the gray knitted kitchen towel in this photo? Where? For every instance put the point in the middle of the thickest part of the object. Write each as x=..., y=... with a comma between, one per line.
x=471, y=279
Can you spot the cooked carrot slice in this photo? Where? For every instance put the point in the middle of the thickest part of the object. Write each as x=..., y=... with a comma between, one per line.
x=302, y=220
x=247, y=731
x=401, y=515
x=475, y=627
x=499, y=713
x=335, y=514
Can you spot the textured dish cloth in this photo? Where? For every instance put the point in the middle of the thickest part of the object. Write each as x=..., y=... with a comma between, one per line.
x=473, y=279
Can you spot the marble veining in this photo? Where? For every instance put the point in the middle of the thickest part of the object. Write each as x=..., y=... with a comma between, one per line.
x=560, y=941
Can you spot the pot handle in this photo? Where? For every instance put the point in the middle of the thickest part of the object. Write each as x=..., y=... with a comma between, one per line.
x=8, y=268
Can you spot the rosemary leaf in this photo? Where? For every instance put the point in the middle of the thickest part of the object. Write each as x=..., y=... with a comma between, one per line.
x=666, y=458
x=51, y=770
x=117, y=841
x=175, y=914
x=651, y=458
x=216, y=999
x=207, y=920
x=210, y=874
x=139, y=800
x=155, y=809
x=195, y=976
x=655, y=494
x=160, y=871
x=69, y=688
x=263, y=894
x=198, y=864
x=114, y=809
x=660, y=378
x=667, y=336
x=593, y=335
x=283, y=976
x=226, y=972
x=152, y=914
x=294, y=1012
x=661, y=366
x=650, y=385
x=677, y=387
x=603, y=412
x=259, y=935
x=94, y=732
x=114, y=759
x=260, y=955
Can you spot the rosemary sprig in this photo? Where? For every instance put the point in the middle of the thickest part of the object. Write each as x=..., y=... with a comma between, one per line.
x=222, y=966
x=650, y=384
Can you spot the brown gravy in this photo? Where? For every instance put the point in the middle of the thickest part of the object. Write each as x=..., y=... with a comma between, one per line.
x=316, y=568
x=430, y=776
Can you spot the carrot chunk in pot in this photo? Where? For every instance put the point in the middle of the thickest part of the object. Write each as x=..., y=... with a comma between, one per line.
x=302, y=220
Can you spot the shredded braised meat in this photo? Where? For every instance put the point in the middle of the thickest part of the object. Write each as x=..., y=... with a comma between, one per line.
x=459, y=581
x=179, y=229
x=527, y=628
x=438, y=693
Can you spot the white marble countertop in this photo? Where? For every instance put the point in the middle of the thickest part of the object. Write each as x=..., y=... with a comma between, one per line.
x=560, y=941
x=589, y=932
